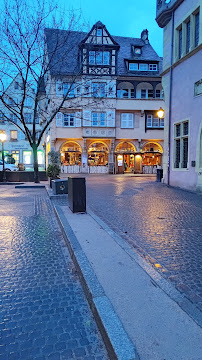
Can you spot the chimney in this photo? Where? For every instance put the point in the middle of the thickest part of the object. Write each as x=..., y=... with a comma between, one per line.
x=144, y=36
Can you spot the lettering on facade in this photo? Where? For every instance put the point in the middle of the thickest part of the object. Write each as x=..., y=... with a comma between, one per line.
x=198, y=88
x=19, y=147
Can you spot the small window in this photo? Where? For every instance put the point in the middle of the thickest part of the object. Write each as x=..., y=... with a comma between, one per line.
x=92, y=57
x=177, y=128
x=28, y=118
x=143, y=67
x=155, y=122
x=16, y=85
x=158, y=94
x=98, y=57
x=99, y=32
x=152, y=67
x=137, y=50
x=68, y=89
x=99, y=89
x=149, y=120
x=162, y=123
x=106, y=58
x=127, y=121
x=14, y=134
x=133, y=66
x=197, y=29
x=180, y=42
x=185, y=128
x=150, y=94
x=188, y=37
x=69, y=120
x=98, y=119
x=143, y=93
x=125, y=93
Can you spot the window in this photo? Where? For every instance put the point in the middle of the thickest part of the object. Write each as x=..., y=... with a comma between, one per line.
x=14, y=118
x=143, y=67
x=127, y=121
x=180, y=42
x=68, y=89
x=137, y=51
x=98, y=119
x=69, y=120
x=16, y=85
x=188, y=37
x=28, y=118
x=14, y=135
x=143, y=93
x=154, y=122
x=152, y=67
x=126, y=93
x=181, y=142
x=1, y=118
x=158, y=94
x=99, y=57
x=133, y=66
x=28, y=101
x=99, y=32
x=99, y=89
x=197, y=29
x=150, y=94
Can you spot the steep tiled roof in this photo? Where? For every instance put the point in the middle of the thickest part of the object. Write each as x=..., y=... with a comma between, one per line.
x=65, y=61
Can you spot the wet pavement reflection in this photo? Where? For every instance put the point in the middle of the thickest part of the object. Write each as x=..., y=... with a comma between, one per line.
x=163, y=224
x=43, y=311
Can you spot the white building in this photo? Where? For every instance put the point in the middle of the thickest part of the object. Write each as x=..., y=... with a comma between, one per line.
x=182, y=84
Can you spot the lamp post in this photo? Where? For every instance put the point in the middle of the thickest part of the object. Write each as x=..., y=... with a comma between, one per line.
x=160, y=113
x=3, y=138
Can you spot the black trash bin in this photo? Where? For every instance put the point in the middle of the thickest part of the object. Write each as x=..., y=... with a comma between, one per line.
x=77, y=194
x=59, y=186
x=159, y=175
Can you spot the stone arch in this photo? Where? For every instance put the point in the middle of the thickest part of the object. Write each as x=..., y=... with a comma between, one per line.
x=150, y=143
x=125, y=89
x=144, y=86
x=130, y=148
x=98, y=142
x=70, y=142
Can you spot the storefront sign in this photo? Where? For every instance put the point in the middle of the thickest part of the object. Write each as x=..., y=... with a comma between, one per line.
x=198, y=88
x=120, y=160
x=18, y=147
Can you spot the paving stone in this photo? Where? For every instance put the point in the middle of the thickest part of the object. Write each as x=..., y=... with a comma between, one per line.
x=42, y=304
x=163, y=224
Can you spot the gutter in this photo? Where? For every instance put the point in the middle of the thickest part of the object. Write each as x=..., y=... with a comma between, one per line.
x=170, y=98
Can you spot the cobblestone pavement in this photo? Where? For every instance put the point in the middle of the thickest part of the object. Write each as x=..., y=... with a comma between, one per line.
x=43, y=312
x=163, y=224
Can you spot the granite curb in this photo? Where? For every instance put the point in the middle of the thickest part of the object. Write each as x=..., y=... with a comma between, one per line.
x=116, y=340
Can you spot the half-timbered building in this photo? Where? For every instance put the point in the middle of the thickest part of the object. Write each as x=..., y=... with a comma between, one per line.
x=110, y=91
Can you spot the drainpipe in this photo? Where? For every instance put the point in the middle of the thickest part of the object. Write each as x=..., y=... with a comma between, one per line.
x=170, y=98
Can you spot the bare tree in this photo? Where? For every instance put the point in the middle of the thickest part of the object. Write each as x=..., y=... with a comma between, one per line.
x=23, y=52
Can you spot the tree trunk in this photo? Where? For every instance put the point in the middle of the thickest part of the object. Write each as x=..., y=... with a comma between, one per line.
x=36, y=170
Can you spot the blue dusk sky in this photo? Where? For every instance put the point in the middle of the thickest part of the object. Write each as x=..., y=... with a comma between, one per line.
x=123, y=18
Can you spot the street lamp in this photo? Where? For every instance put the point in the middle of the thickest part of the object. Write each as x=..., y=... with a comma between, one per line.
x=160, y=113
x=3, y=138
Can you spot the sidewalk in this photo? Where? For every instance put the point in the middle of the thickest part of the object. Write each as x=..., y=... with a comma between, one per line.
x=156, y=324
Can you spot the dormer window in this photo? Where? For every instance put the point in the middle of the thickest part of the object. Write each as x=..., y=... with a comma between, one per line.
x=133, y=66
x=143, y=67
x=99, y=32
x=137, y=50
x=152, y=67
